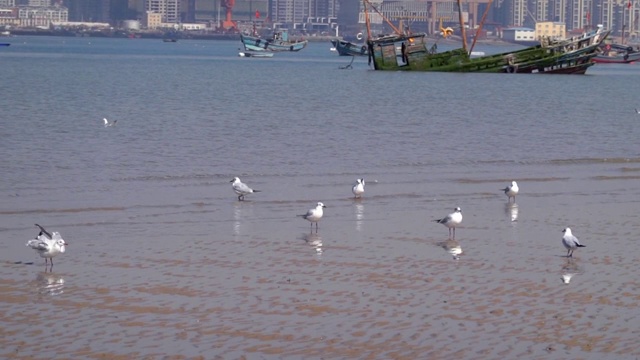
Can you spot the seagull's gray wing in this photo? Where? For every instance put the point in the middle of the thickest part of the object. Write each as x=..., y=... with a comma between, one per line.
x=445, y=219
x=242, y=187
x=38, y=244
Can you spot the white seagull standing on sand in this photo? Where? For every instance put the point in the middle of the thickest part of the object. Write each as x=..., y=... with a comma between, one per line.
x=570, y=242
x=108, y=123
x=451, y=221
x=511, y=191
x=358, y=188
x=47, y=244
x=314, y=215
x=241, y=189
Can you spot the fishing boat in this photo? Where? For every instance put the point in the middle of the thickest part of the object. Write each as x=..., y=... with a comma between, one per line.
x=616, y=54
x=346, y=48
x=5, y=44
x=278, y=42
x=410, y=52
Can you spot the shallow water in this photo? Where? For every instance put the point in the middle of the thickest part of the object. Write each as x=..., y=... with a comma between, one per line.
x=165, y=261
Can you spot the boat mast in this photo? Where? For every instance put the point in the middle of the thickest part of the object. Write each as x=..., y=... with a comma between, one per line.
x=218, y=18
x=624, y=7
x=462, y=28
x=484, y=16
x=383, y=17
x=366, y=20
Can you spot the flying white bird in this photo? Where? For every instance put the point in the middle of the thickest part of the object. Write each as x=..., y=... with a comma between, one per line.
x=451, y=221
x=511, y=191
x=241, y=189
x=358, y=188
x=47, y=245
x=570, y=242
x=108, y=123
x=314, y=215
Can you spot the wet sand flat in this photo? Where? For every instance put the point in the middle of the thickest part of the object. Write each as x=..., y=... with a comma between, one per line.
x=378, y=280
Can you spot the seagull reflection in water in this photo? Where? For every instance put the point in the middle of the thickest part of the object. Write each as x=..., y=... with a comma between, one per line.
x=569, y=269
x=315, y=241
x=240, y=213
x=359, y=216
x=49, y=284
x=511, y=209
x=452, y=247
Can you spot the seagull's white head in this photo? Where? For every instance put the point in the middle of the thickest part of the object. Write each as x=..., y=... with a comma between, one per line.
x=567, y=231
x=458, y=210
x=513, y=183
x=320, y=205
x=360, y=181
x=235, y=179
x=61, y=244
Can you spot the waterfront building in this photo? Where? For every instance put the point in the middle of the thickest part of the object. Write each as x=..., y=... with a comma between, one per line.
x=550, y=29
x=41, y=16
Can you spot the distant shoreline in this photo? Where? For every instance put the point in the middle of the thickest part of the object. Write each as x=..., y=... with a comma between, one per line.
x=206, y=36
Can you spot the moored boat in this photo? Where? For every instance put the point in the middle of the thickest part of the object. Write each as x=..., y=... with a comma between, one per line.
x=346, y=48
x=616, y=54
x=409, y=52
x=278, y=42
x=551, y=56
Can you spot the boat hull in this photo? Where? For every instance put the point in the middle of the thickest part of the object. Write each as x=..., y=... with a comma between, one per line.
x=618, y=59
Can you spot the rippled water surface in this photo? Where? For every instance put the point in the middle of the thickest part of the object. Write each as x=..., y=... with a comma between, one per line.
x=163, y=260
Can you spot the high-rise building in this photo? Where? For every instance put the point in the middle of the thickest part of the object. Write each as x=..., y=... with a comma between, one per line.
x=89, y=10
x=169, y=9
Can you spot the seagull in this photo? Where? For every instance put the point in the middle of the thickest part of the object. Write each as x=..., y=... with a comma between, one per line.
x=570, y=242
x=241, y=188
x=314, y=215
x=511, y=191
x=358, y=188
x=47, y=244
x=108, y=123
x=451, y=221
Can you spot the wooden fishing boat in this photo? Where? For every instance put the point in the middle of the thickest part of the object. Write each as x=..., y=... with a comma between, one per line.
x=278, y=42
x=616, y=54
x=552, y=56
x=410, y=52
x=346, y=48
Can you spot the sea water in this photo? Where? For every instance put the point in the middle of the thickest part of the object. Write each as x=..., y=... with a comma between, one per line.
x=163, y=260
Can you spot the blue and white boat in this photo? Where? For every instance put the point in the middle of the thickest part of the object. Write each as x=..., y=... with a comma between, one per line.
x=278, y=42
x=346, y=48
